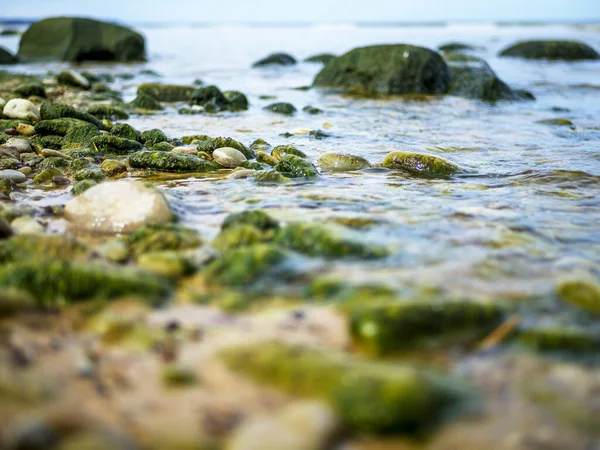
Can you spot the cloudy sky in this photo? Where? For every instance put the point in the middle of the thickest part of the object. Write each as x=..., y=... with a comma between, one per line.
x=236, y=11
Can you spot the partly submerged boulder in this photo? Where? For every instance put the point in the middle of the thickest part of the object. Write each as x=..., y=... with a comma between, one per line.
x=276, y=59
x=6, y=57
x=78, y=39
x=166, y=92
x=551, y=49
x=387, y=69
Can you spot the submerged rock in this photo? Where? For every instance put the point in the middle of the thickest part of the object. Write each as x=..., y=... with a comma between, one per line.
x=583, y=294
x=73, y=79
x=455, y=47
x=29, y=90
x=343, y=162
x=52, y=110
x=146, y=102
x=113, y=144
x=276, y=59
x=21, y=109
x=368, y=396
x=420, y=164
x=256, y=218
x=6, y=57
x=153, y=237
x=118, y=207
x=551, y=49
x=323, y=58
x=166, y=92
x=281, y=108
x=170, y=162
x=77, y=39
x=294, y=166
x=236, y=101
x=209, y=145
x=387, y=69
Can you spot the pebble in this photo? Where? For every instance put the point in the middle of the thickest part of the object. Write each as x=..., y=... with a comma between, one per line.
x=61, y=181
x=228, y=157
x=22, y=145
x=26, y=170
x=13, y=176
x=27, y=225
x=243, y=173
x=185, y=149
x=75, y=79
x=21, y=109
x=25, y=130
x=49, y=153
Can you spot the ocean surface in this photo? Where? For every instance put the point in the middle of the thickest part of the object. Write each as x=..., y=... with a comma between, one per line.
x=525, y=213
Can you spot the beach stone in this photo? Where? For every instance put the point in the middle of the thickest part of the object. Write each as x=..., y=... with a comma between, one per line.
x=14, y=176
x=23, y=129
x=73, y=79
x=551, y=49
x=27, y=225
x=228, y=157
x=281, y=108
x=276, y=59
x=20, y=144
x=322, y=58
x=420, y=164
x=112, y=167
x=21, y=109
x=190, y=149
x=387, y=69
x=77, y=39
x=118, y=207
x=6, y=57
x=342, y=162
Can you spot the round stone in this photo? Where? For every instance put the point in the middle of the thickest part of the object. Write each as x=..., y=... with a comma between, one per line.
x=14, y=176
x=186, y=149
x=118, y=207
x=21, y=109
x=342, y=161
x=20, y=144
x=228, y=157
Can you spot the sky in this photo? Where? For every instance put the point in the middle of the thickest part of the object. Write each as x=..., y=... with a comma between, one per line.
x=282, y=11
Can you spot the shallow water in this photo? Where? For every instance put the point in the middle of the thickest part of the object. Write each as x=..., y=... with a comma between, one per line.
x=524, y=213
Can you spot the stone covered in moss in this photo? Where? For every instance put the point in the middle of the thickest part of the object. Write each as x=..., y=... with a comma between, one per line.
x=240, y=236
x=420, y=164
x=455, y=47
x=256, y=218
x=583, y=294
x=367, y=396
x=343, y=162
x=73, y=79
x=236, y=100
x=29, y=90
x=152, y=137
x=107, y=112
x=46, y=176
x=316, y=239
x=211, y=144
x=271, y=177
x=560, y=339
x=126, y=131
x=146, y=102
x=561, y=50
x=170, y=162
x=264, y=158
x=162, y=236
x=6, y=57
x=252, y=165
x=210, y=97
x=281, y=150
x=420, y=324
x=166, y=92
x=293, y=166
x=55, y=162
x=40, y=142
x=85, y=170
x=34, y=247
x=322, y=58
x=260, y=145
x=281, y=108
x=76, y=39
x=51, y=110
x=276, y=59
x=116, y=145
x=55, y=283
x=168, y=264
x=113, y=167
x=387, y=69
x=81, y=186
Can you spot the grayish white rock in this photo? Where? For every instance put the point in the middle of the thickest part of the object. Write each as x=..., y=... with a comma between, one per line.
x=21, y=109
x=228, y=157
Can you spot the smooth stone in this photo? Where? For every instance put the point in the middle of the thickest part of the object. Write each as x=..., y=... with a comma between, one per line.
x=26, y=170
x=49, y=153
x=242, y=173
x=186, y=149
x=13, y=176
x=118, y=207
x=21, y=109
x=25, y=130
x=72, y=78
x=228, y=157
x=5, y=229
x=27, y=225
x=342, y=161
x=22, y=145
x=2, y=103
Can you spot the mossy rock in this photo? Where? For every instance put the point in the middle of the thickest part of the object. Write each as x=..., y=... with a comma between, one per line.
x=583, y=294
x=146, y=102
x=170, y=162
x=342, y=162
x=73, y=79
x=108, y=112
x=312, y=110
x=284, y=108
x=556, y=122
x=172, y=265
x=55, y=162
x=263, y=158
x=46, y=176
x=387, y=69
x=211, y=144
x=281, y=150
x=368, y=396
x=87, y=171
x=455, y=47
x=315, y=239
x=29, y=90
x=162, y=236
x=125, y=131
x=9, y=123
x=293, y=166
x=51, y=110
x=81, y=186
x=236, y=101
x=403, y=325
x=166, y=92
x=276, y=59
x=322, y=58
x=256, y=218
x=56, y=283
x=241, y=236
x=115, y=145
x=152, y=137
x=565, y=339
x=260, y=145
x=210, y=97
x=162, y=147
x=551, y=49
x=252, y=165
x=271, y=177
x=113, y=167
x=77, y=39
x=245, y=266
x=34, y=247
x=41, y=142
x=6, y=57
x=420, y=164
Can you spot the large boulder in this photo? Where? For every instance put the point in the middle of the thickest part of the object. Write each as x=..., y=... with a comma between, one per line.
x=565, y=50
x=6, y=57
x=387, y=69
x=77, y=39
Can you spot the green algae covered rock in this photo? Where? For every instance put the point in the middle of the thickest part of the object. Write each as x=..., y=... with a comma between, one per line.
x=396, y=326
x=87, y=171
x=76, y=133
x=263, y=158
x=583, y=294
x=114, y=144
x=162, y=236
x=236, y=100
x=567, y=339
x=108, y=112
x=551, y=49
x=315, y=239
x=37, y=247
x=113, y=167
x=284, y=108
x=6, y=57
x=420, y=164
x=53, y=142
x=276, y=59
x=256, y=218
x=455, y=47
x=240, y=236
x=28, y=90
x=293, y=166
x=387, y=69
x=146, y=102
x=246, y=265
x=170, y=162
x=152, y=137
x=211, y=144
x=343, y=162
x=166, y=92
x=51, y=110
x=281, y=150
x=367, y=396
x=46, y=176
x=271, y=177
x=55, y=162
x=55, y=283
x=322, y=58
x=168, y=264
x=81, y=186
x=77, y=39
x=126, y=131
x=209, y=97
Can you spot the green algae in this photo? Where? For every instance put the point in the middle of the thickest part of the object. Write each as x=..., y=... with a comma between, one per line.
x=166, y=92
x=209, y=145
x=115, y=145
x=163, y=236
x=281, y=150
x=293, y=166
x=170, y=162
x=583, y=294
x=420, y=164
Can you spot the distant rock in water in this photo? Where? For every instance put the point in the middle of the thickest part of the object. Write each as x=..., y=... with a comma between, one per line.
x=472, y=77
x=387, y=69
x=320, y=58
x=278, y=59
x=562, y=50
x=6, y=57
x=455, y=47
x=77, y=39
